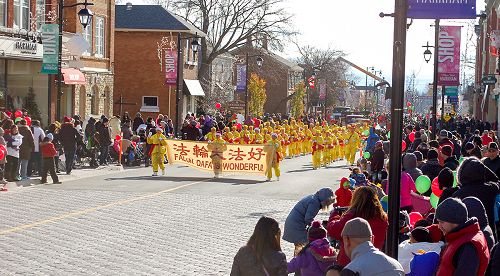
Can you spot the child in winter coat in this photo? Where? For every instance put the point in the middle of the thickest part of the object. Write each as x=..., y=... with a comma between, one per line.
x=359, y=177
x=420, y=242
x=343, y=193
x=316, y=256
x=48, y=153
x=14, y=141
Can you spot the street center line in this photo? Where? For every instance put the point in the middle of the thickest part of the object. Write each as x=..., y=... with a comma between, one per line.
x=93, y=209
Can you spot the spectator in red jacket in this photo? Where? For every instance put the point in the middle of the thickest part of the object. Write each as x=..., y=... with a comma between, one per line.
x=343, y=193
x=48, y=153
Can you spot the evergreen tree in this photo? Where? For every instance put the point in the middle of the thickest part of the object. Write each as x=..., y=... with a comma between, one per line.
x=31, y=106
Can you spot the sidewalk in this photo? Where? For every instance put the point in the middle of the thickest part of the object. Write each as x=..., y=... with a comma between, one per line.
x=76, y=174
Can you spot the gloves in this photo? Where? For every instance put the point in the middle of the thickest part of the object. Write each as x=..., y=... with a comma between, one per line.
x=150, y=134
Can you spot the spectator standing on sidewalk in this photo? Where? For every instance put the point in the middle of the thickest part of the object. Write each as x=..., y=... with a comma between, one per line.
x=54, y=130
x=49, y=153
x=465, y=251
x=262, y=255
x=26, y=148
x=69, y=139
x=493, y=160
x=14, y=141
x=104, y=140
x=36, y=156
x=366, y=259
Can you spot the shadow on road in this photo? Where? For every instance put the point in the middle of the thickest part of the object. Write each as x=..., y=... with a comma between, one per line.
x=233, y=181
x=260, y=214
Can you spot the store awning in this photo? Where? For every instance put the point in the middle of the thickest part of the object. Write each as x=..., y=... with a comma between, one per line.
x=73, y=76
x=194, y=88
x=485, y=97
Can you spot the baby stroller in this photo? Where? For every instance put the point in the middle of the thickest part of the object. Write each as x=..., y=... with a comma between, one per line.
x=133, y=154
x=87, y=153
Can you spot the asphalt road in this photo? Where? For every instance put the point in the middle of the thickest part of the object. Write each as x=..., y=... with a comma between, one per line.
x=130, y=223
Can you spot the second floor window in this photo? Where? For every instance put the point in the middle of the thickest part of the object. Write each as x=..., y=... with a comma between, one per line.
x=87, y=35
x=40, y=14
x=3, y=12
x=99, y=37
x=21, y=14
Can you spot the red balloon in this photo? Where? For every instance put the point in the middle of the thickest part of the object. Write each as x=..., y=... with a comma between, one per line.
x=435, y=187
x=2, y=152
x=218, y=105
x=28, y=120
x=408, y=104
x=414, y=217
x=411, y=136
x=118, y=137
x=403, y=145
x=18, y=113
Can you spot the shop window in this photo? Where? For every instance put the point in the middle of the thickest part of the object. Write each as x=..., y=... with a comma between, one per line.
x=3, y=12
x=99, y=37
x=87, y=35
x=21, y=14
x=40, y=14
x=150, y=104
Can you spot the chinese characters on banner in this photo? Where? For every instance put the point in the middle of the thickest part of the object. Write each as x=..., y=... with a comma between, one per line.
x=170, y=67
x=241, y=77
x=449, y=56
x=236, y=158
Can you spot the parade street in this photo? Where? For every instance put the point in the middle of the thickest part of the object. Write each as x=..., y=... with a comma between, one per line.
x=127, y=222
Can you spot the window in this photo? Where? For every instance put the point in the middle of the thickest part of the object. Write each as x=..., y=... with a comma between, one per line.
x=40, y=14
x=150, y=104
x=3, y=12
x=99, y=37
x=21, y=14
x=87, y=35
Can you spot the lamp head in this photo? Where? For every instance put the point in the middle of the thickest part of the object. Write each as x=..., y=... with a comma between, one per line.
x=427, y=55
x=85, y=16
x=195, y=45
x=259, y=61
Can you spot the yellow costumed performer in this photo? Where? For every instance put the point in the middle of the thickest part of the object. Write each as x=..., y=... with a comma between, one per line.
x=317, y=147
x=158, y=149
x=351, y=145
x=217, y=148
x=275, y=158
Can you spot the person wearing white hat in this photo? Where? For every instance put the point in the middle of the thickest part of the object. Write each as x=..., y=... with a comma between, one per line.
x=158, y=150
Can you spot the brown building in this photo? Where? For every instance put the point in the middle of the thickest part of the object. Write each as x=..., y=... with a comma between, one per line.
x=146, y=71
x=88, y=78
x=280, y=74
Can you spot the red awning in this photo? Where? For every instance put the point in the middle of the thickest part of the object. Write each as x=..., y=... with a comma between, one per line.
x=73, y=76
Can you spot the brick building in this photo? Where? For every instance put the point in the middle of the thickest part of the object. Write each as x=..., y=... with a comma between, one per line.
x=150, y=34
x=88, y=79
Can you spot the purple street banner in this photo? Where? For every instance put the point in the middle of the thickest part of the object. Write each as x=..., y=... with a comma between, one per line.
x=449, y=56
x=442, y=9
x=322, y=89
x=241, y=77
x=170, y=67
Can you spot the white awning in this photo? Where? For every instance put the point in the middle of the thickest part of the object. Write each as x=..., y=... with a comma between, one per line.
x=194, y=88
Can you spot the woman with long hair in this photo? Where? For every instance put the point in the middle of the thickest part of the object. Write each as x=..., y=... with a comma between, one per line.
x=262, y=255
x=365, y=204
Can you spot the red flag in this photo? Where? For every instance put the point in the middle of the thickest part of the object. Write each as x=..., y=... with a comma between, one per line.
x=312, y=82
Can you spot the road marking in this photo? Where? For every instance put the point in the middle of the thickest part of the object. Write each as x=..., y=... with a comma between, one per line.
x=93, y=209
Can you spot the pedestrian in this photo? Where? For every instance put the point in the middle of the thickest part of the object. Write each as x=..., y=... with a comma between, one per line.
x=104, y=137
x=466, y=251
x=303, y=214
x=49, y=153
x=344, y=194
x=476, y=180
x=36, y=157
x=3, y=161
x=420, y=241
x=372, y=139
x=217, y=146
x=492, y=161
x=69, y=138
x=445, y=181
x=262, y=254
x=410, y=166
x=54, y=130
x=450, y=161
x=158, y=150
x=14, y=141
x=365, y=204
x=126, y=131
x=377, y=162
x=493, y=268
x=275, y=147
x=26, y=148
x=475, y=208
x=432, y=166
x=366, y=259
x=315, y=257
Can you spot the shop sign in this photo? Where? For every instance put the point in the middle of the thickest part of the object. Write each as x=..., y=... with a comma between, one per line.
x=50, y=40
x=451, y=90
x=25, y=47
x=236, y=105
x=171, y=67
x=449, y=55
x=442, y=9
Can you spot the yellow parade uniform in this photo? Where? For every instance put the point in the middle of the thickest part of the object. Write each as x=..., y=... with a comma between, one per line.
x=327, y=156
x=211, y=135
x=275, y=147
x=317, y=147
x=159, y=144
x=217, y=148
x=352, y=145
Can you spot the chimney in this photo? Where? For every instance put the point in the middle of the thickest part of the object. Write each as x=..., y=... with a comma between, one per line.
x=129, y=6
x=264, y=42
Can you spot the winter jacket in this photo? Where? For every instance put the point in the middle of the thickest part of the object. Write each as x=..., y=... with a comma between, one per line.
x=368, y=260
x=447, y=193
x=302, y=215
x=493, y=165
x=494, y=264
x=28, y=144
x=451, y=162
x=486, y=139
x=407, y=185
x=475, y=208
x=104, y=135
x=425, y=264
x=48, y=149
x=126, y=132
x=465, y=251
x=407, y=250
x=309, y=263
x=432, y=168
x=245, y=263
x=344, y=196
x=410, y=166
x=69, y=136
x=335, y=227
x=13, y=144
x=371, y=140
x=137, y=122
x=377, y=160
x=38, y=136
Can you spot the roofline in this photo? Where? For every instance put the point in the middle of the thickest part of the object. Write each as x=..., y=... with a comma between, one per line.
x=200, y=34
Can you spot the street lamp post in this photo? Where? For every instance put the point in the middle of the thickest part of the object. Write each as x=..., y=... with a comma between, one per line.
x=194, y=47
x=427, y=58
x=259, y=61
x=85, y=17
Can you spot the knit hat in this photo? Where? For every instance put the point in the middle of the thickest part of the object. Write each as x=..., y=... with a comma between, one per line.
x=67, y=119
x=105, y=120
x=316, y=231
x=421, y=234
x=357, y=228
x=322, y=247
x=345, y=182
x=471, y=170
x=493, y=145
x=475, y=208
x=419, y=155
x=447, y=150
x=452, y=210
x=435, y=233
x=443, y=133
x=469, y=146
x=50, y=136
x=445, y=178
x=432, y=154
x=324, y=194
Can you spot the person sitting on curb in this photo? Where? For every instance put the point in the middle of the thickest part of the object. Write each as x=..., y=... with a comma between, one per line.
x=466, y=250
x=366, y=259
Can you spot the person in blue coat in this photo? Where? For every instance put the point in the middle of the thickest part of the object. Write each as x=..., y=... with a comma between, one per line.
x=371, y=141
x=303, y=214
